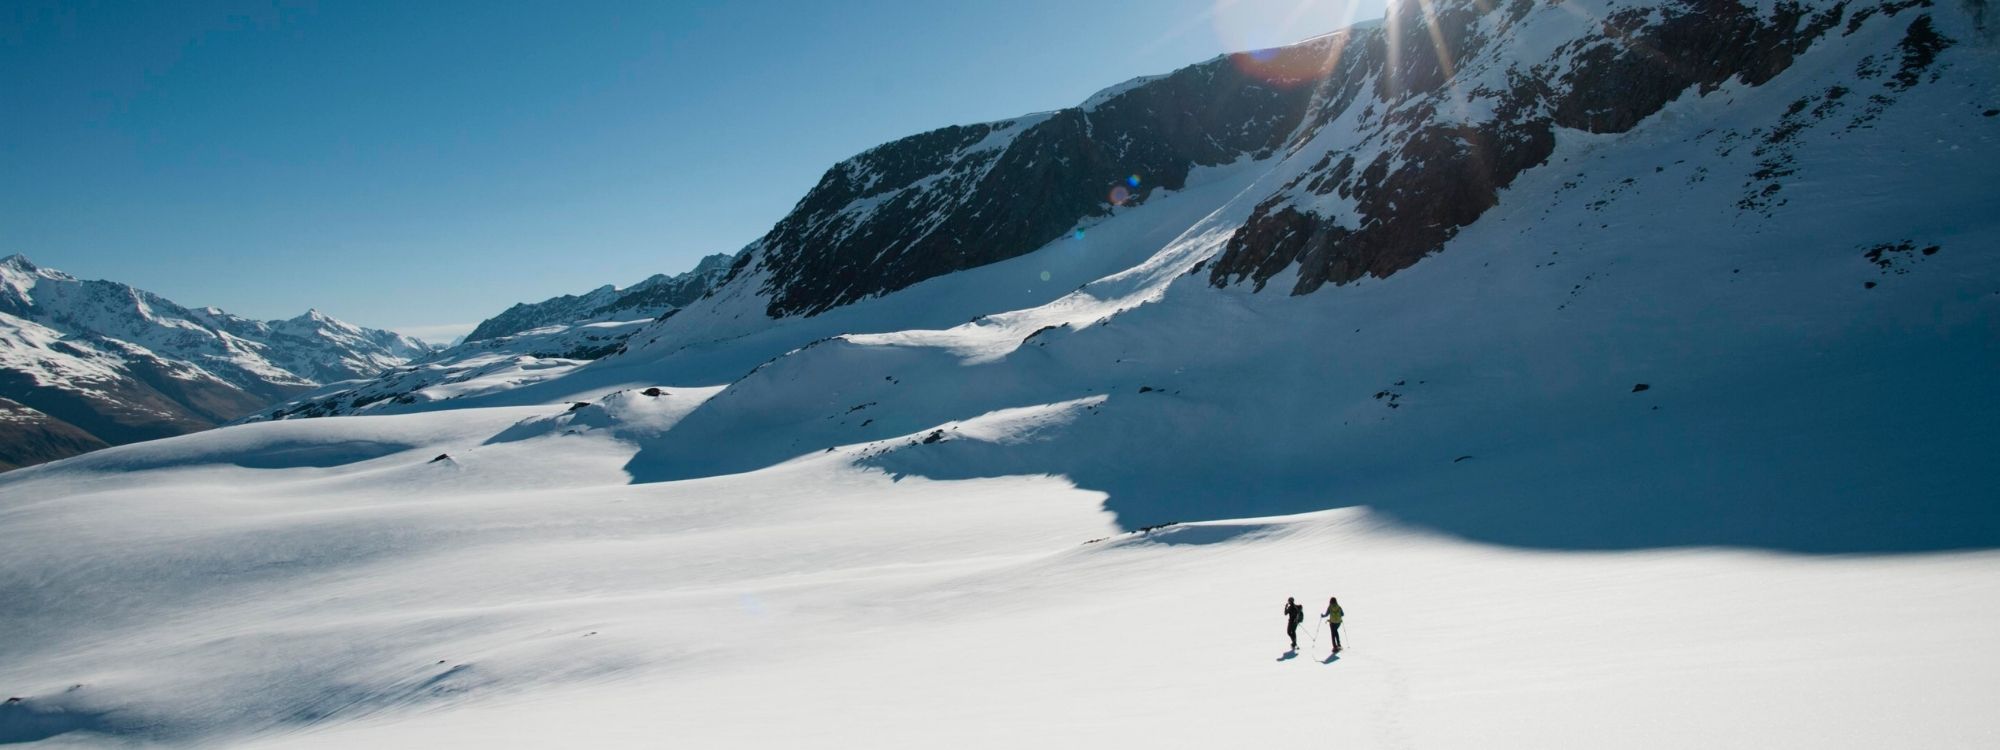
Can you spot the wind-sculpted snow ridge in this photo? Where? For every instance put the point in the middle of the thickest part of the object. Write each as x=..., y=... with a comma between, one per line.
x=120, y=364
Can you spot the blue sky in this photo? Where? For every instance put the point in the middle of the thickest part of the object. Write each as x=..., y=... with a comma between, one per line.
x=422, y=165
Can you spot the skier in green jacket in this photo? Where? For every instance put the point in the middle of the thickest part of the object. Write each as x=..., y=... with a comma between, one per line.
x=1332, y=617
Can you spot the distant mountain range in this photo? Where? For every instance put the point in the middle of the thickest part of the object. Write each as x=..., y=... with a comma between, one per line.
x=527, y=343
x=657, y=295
x=85, y=364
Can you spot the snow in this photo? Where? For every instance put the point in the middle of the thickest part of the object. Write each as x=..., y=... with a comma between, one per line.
x=28, y=348
x=523, y=594
x=71, y=334
x=470, y=370
x=925, y=518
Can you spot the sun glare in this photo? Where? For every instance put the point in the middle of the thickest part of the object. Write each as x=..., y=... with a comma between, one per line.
x=1265, y=34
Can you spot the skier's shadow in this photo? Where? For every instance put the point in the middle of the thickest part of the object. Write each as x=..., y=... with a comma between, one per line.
x=1288, y=655
x=1330, y=658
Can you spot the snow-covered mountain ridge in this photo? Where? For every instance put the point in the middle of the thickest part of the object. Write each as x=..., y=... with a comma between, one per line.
x=657, y=295
x=1376, y=144
x=524, y=345
x=122, y=364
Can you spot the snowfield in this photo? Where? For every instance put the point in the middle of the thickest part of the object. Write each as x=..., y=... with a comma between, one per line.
x=1629, y=463
x=524, y=594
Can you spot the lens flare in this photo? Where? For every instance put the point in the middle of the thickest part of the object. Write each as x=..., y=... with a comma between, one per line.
x=1257, y=25
x=1132, y=182
x=1120, y=195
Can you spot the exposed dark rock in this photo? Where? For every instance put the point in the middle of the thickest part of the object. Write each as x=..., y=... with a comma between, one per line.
x=965, y=196
x=654, y=392
x=29, y=437
x=1435, y=175
x=578, y=406
x=440, y=457
x=1920, y=46
x=1897, y=257
x=1888, y=8
x=1637, y=387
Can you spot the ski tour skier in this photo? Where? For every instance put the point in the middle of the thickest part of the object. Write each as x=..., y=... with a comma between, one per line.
x=1294, y=614
x=1332, y=617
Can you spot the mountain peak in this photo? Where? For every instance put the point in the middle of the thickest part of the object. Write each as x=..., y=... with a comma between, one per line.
x=19, y=262
x=648, y=298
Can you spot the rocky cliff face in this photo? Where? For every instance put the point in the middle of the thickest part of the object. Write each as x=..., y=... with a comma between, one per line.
x=1351, y=155
x=1382, y=140
x=966, y=196
x=1410, y=150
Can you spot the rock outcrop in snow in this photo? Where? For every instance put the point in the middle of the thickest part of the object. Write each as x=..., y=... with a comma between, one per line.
x=1388, y=138
x=102, y=362
x=1408, y=150
x=966, y=196
x=1523, y=210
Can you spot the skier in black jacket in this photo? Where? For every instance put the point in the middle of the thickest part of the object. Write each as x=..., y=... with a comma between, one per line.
x=1294, y=614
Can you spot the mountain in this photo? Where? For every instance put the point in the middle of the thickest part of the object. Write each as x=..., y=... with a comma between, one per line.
x=1586, y=314
x=105, y=363
x=657, y=295
x=528, y=343
x=33, y=437
x=1389, y=139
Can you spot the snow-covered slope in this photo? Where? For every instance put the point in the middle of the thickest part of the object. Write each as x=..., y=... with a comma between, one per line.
x=526, y=345
x=1624, y=449
x=123, y=364
x=472, y=368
